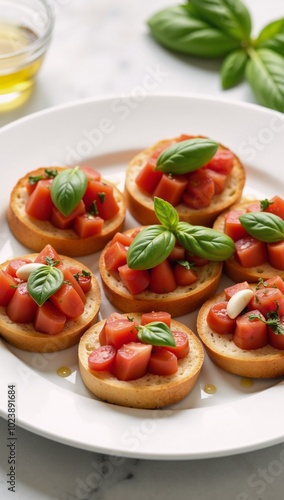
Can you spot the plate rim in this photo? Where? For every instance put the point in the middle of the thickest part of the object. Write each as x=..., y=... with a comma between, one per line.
x=143, y=453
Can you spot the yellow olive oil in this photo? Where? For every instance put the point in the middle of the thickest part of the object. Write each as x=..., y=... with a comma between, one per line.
x=17, y=70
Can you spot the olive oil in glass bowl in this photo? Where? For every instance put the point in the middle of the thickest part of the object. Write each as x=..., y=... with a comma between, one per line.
x=25, y=32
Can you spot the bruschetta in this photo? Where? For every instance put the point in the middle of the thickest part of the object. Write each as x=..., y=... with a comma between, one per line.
x=242, y=328
x=36, y=218
x=199, y=196
x=47, y=301
x=259, y=252
x=134, y=373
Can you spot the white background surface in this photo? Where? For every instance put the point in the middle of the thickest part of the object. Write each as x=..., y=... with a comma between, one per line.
x=103, y=48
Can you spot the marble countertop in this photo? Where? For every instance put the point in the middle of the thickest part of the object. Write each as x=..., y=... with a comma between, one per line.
x=98, y=49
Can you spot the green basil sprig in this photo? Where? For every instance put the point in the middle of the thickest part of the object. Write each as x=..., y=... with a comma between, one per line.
x=186, y=156
x=153, y=244
x=263, y=226
x=68, y=188
x=222, y=28
x=204, y=242
x=272, y=320
x=156, y=333
x=44, y=282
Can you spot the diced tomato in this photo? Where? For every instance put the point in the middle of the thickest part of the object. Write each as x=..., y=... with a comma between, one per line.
x=162, y=278
x=68, y=301
x=131, y=361
x=218, y=319
x=254, y=207
x=91, y=173
x=218, y=178
x=181, y=348
x=231, y=290
x=162, y=316
x=177, y=253
x=266, y=300
x=186, y=137
x=120, y=331
x=49, y=319
x=222, y=161
x=86, y=225
x=115, y=256
x=7, y=287
x=200, y=190
x=101, y=359
x=171, y=188
x=39, y=204
x=276, y=254
x=65, y=221
x=233, y=226
x=162, y=362
x=83, y=278
x=197, y=261
x=276, y=207
x=275, y=281
x=48, y=253
x=136, y=281
x=21, y=308
x=250, y=333
x=103, y=196
x=124, y=239
x=15, y=264
x=148, y=178
x=184, y=276
x=274, y=339
x=112, y=317
x=250, y=252
x=70, y=278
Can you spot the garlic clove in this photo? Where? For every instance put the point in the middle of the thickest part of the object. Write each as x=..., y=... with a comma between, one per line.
x=24, y=271
x=238, y=302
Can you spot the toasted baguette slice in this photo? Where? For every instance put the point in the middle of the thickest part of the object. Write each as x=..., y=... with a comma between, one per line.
x=24, y=336
x=266, y=362
x=141, y=205
x=150, y=391
x=236, y=271
x=35, y=234
x=183, y=300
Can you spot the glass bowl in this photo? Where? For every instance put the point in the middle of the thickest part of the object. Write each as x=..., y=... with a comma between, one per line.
x=25, y=32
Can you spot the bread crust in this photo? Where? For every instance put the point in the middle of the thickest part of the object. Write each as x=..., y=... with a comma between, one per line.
x=35, y=234
x=150, y=391
x=266, y=362
x=236, y=271
x=24, y=336
x=182, y=301
x=141, y=205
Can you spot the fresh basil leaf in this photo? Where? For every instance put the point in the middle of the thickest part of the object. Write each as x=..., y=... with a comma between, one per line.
x=68, y=188
x=233, y=68
x=272, y=37
x=263, y=226
x=230, y=16
x=156, y=333
x=205, y=242
x=178, y=30
x=166, y=213
x=150, y=247
x=44, y=282
x=186, y=156
x=265, y=73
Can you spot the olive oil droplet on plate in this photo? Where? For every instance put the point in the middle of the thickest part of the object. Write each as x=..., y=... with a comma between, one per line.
x=210, y=389
x=63, y=371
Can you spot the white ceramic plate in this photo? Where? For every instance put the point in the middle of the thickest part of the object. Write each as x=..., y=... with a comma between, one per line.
x=108, y=132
